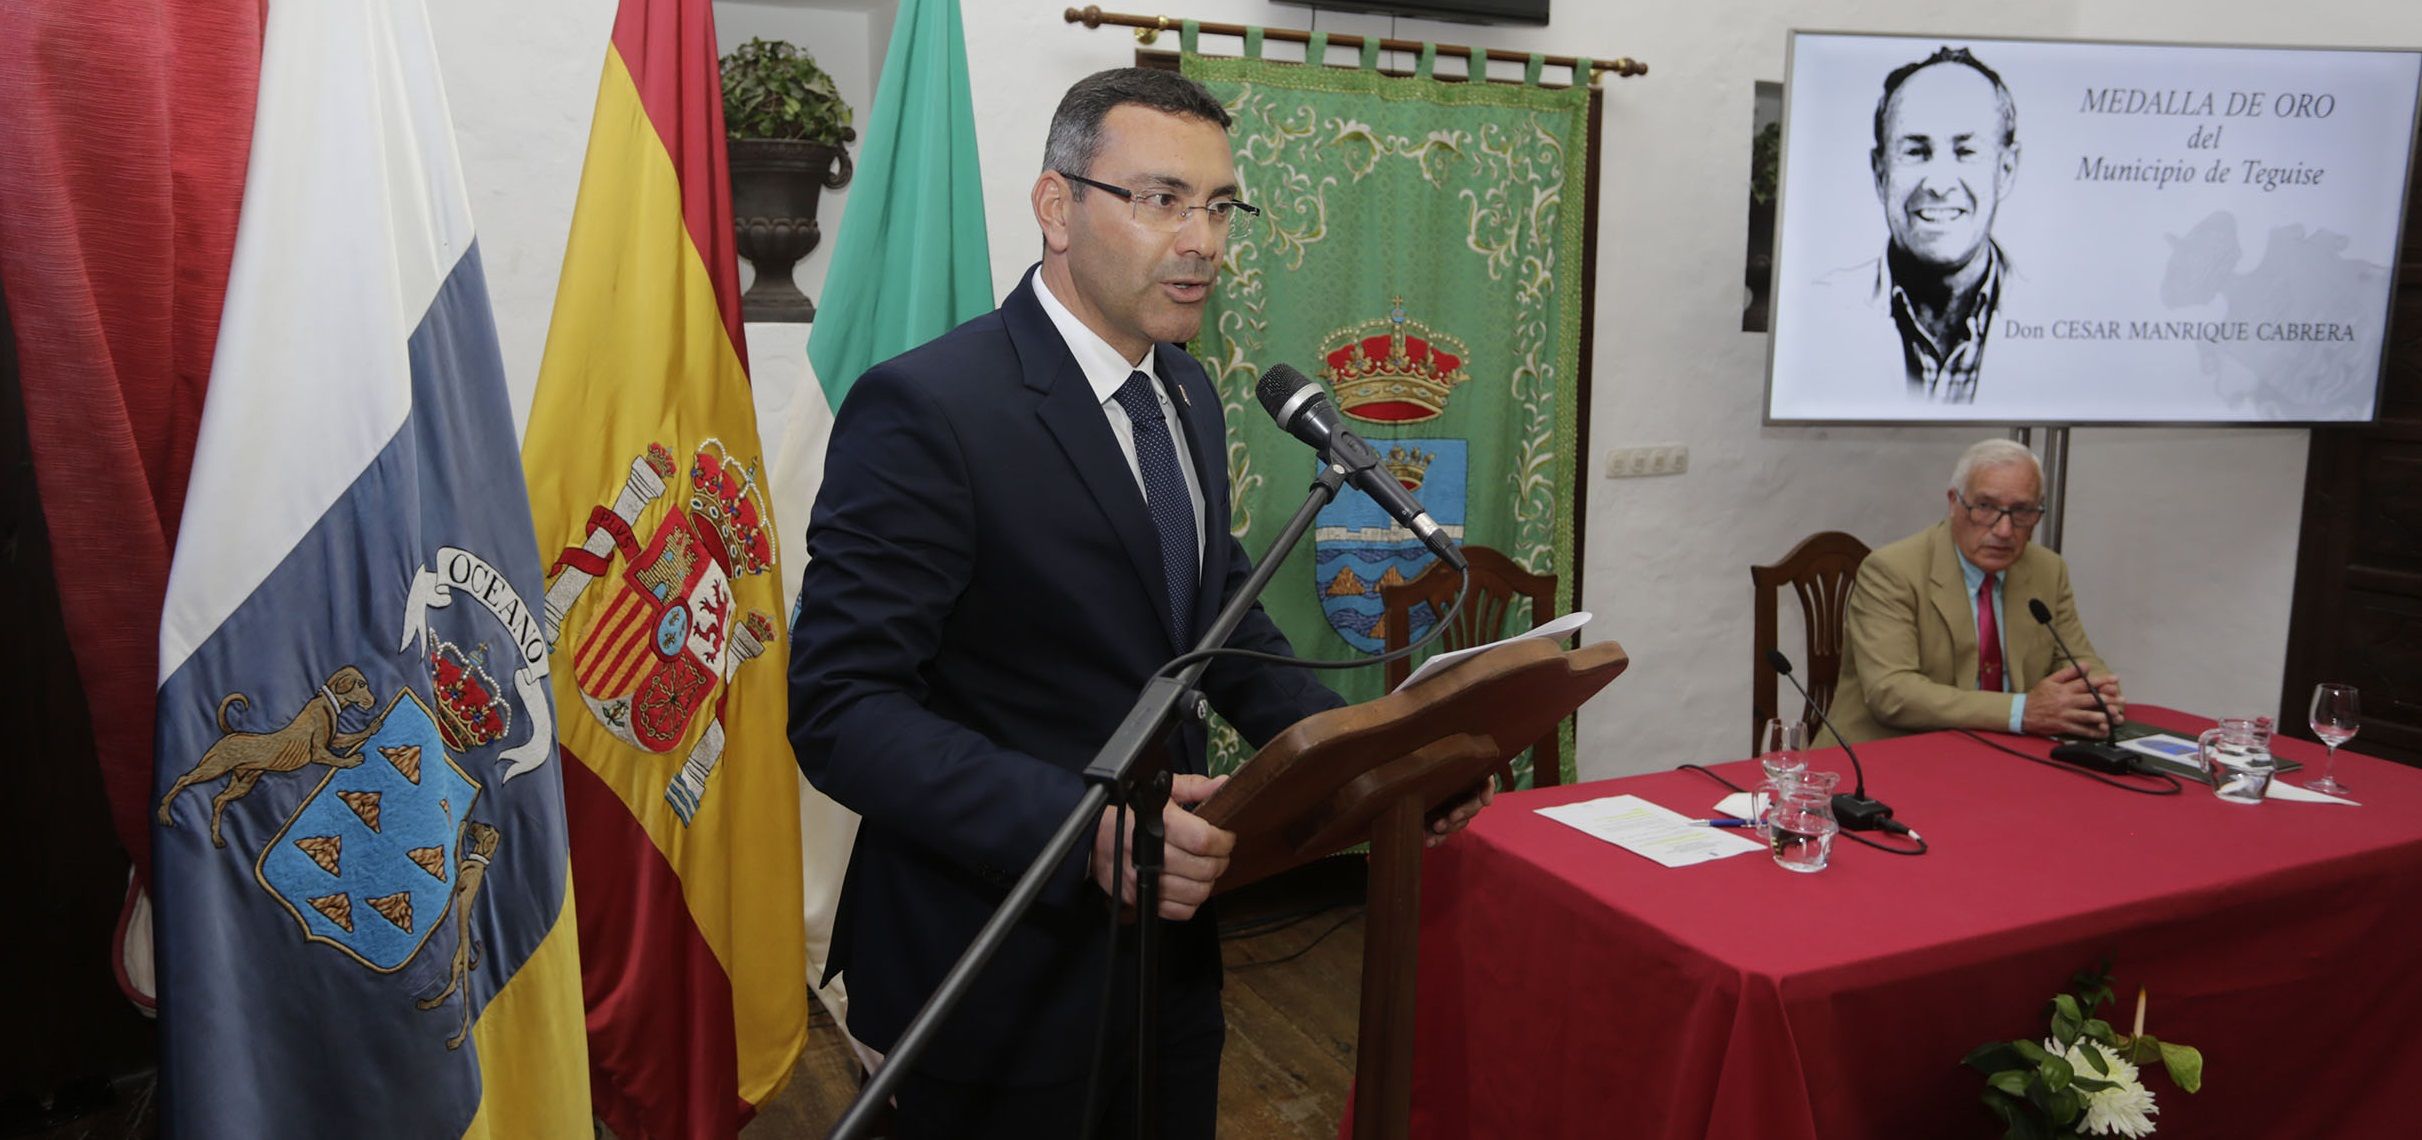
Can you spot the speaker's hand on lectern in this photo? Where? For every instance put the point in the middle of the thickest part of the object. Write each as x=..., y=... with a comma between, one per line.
x=1194, y=854
x=1456, y=813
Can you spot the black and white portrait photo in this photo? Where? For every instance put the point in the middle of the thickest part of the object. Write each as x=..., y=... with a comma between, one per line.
x=1945, y=156
x=2035, y=231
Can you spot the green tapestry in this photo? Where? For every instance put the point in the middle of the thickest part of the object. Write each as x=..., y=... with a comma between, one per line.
x=1420, y=255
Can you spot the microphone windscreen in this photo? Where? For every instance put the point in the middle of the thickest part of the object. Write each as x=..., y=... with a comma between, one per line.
x=1277, y=384
x=2042, y=612
x=1779, y=663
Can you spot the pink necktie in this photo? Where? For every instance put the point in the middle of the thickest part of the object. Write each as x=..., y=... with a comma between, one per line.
x=1988, y=641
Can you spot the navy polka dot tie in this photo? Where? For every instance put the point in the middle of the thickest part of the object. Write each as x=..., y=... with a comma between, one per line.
x=1165, y=494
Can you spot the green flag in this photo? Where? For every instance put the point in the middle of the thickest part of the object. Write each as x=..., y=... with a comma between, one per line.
x=910, y=261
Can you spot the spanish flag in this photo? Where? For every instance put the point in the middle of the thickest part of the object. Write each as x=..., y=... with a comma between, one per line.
x=663, y=610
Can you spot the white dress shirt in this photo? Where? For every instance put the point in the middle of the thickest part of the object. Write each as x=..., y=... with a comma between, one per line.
x=1107, y=372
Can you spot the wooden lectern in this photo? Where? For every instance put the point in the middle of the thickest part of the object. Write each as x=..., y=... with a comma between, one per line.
x=1375, y=771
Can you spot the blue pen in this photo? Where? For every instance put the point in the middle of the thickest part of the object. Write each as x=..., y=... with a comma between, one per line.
x=1726, y=821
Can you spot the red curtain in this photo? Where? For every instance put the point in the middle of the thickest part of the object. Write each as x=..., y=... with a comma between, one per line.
x=124, y=130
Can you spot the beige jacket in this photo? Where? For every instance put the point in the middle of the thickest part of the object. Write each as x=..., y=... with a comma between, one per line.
x=1909, y=664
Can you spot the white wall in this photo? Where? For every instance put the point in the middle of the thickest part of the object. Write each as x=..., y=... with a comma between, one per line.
x=521, y=80
x=1666, y=559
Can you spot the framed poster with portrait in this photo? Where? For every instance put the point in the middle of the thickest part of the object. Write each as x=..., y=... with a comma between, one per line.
x=2060, y=232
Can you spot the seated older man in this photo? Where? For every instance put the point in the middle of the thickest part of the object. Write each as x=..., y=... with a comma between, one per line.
x=1939, y=634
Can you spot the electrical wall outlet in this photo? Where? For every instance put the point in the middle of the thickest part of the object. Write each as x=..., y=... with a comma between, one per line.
x=1651, y=459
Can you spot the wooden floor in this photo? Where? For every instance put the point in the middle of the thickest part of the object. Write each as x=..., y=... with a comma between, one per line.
x=1292, y=996
x=1294, y=975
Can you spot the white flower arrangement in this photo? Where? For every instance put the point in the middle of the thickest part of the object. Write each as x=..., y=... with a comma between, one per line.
x=2083, y=1079
x=2120, y=1110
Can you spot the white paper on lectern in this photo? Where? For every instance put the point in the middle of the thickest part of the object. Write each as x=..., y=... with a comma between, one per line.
x=1650, y=831
x=1555, y=628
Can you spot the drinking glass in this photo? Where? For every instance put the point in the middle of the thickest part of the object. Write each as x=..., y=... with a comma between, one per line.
x=2336, y=717
x=1779, y=754
x=2242, y=777
x=2236, y=756
x=1800, y=828
x=2234, y=732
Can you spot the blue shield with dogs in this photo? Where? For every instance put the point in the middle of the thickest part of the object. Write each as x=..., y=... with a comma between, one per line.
x=367, y=863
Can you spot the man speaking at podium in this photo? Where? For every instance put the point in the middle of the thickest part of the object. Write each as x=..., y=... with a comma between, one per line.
x=1938, y=633
x=1019, y=523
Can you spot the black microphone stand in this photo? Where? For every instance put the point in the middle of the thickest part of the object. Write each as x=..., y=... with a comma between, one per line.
x=2104, y=755
x=1855, y=811
x=1115, y=769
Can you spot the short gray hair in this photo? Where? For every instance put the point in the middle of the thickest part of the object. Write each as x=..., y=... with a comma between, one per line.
x=1076, y=128
x=2002, y=103
x=1986, y=454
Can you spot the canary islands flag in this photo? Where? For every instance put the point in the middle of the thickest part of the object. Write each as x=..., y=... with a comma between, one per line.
x=365, y=918
x=664, y=610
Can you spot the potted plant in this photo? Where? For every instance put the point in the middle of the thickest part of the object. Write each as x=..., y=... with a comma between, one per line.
x=787, y=126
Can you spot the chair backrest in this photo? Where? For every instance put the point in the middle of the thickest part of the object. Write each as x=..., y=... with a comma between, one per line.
x=1821, y=570
x=1497, y=582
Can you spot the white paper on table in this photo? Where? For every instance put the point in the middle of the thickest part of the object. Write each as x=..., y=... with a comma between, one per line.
x=1738, y=805
x=1555, y=628
x=2282, y=790
x=1650, y=831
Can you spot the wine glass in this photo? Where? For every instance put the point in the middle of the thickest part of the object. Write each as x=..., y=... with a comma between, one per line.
x=2336, y=717
x=1784, y=738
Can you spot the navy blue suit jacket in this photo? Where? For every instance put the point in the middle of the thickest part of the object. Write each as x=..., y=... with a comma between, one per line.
x=982, y=605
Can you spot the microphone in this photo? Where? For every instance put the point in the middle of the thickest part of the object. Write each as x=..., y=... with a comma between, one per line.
x=2107, y=755
x=1304, y=410
x=1853, y=809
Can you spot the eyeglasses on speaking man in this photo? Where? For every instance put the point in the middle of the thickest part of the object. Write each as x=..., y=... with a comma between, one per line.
x=1162, y=210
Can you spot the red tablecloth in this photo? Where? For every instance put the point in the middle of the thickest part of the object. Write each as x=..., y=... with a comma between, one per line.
x=1571, y=988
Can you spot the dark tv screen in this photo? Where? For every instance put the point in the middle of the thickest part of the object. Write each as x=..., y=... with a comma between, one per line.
x=1457, y=11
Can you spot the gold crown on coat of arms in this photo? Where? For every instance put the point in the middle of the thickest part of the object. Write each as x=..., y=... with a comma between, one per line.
x=1394, y=369
x=724, y=497
x=1409, y=466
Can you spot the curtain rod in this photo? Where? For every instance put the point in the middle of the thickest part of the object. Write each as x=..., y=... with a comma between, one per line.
x=1149, y=27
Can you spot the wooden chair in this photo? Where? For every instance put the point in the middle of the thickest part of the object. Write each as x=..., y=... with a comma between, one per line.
x=1497, y=581
x=1821, y=569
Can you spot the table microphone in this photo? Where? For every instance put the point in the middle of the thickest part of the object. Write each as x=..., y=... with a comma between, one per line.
x=2103, y=756
x=1853, y=809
